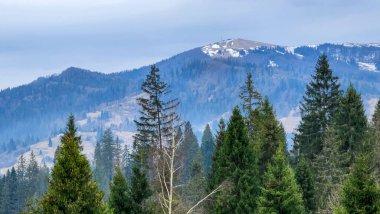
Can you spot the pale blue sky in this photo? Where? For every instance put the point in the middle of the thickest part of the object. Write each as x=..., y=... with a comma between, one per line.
x=42, y=37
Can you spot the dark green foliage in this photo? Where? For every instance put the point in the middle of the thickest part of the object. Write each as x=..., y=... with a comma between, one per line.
x=119, y=199
x=235, y=163
x=71, y=189
x=317, y=109
x=307, y=184
x=187, y=151
x=140, y=191
x=351, y=122
x=207, y=148
x=375, y=132
x=213, y=180
x=270, y=135
x=280, y=192
x=360, y=192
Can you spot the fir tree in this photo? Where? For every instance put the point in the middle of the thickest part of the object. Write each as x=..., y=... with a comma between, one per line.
x=207, y=148
x=213, y=180
x=270, y=134
x=119, y=199
x=351, y=121
x=71, y=189
x=236, y=164
x=280, y=192
x=317, y=109
x=375, y=132
x=306, y=182
x=187, y=151
x=140, y=191
x=360, y=192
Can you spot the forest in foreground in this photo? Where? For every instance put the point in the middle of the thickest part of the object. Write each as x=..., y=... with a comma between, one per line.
x=245, y=167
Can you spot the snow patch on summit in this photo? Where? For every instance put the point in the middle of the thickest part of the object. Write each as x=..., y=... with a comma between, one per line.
x=233, y=48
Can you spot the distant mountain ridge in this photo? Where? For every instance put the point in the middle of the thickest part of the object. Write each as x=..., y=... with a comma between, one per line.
x=205, y=79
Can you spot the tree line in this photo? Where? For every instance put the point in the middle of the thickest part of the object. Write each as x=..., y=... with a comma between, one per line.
x=244, y=168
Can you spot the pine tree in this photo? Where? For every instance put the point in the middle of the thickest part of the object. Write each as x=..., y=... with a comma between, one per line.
x=140, y=191
x=22, y=182
x=317, y=109
x=187, y=151
x=127, y=162
x=207, y=148
x=236, y=164
x=280, y=192
x=71, y=189
x=119, y=199
x=360, y=192
x=32, y=172
x=351, y=121
x=306, y=182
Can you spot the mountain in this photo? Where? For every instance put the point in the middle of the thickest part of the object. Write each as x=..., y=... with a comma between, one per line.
x=205, y=79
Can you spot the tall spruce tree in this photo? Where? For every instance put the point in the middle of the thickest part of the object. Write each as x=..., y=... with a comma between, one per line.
x=235, y=163
x=317, y=109
x=207, y=148
x=251, y=101
x=280, y=192
x=360, y=192
x=351, y=121
x=119, y=199
x=71, y=188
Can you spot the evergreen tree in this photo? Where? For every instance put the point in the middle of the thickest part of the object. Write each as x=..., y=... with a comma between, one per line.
x=71, y=189
x=280, y=192
x=32, y=172
x=213, y=180
x=351, y=121
x=140, y=191
x=360, y=192
x=270, y=134
x=330, y=168
x=251, y=101
x=236, y=163
x=207, y=148
x=187, y=151
x=22, y=182
x=127, y=162
x=307, y=184
x=119, y=199
x=375, y=132
x=317, y=109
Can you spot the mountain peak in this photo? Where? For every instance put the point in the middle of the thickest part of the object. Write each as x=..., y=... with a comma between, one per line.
x=233, y=47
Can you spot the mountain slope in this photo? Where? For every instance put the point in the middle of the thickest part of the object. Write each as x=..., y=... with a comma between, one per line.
x=206, y=80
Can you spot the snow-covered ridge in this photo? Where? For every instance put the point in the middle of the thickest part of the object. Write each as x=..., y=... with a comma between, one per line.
x=359, y=45
x=233, y=48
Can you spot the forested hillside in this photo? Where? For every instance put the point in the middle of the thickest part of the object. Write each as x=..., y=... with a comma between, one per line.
x=243, y=167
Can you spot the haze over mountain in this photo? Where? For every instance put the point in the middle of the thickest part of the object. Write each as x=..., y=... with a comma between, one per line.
x=205, y=79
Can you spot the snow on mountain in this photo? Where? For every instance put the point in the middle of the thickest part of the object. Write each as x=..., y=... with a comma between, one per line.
x=368, y=66
x=272, y=64
x=233, y=48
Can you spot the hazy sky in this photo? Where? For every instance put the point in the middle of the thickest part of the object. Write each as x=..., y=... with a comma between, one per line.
x=42, y=37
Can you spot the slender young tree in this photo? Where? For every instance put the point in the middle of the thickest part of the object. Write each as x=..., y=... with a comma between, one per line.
x=119, y=199
x=375, y=132
x=317, y=109
x=71, y=188
x=213, y=179
x=207, y=148
x=187, y=151
x=280, y=192
x=251, y=101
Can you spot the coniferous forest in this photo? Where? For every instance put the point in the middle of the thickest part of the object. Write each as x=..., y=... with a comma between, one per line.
x=244, y=166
